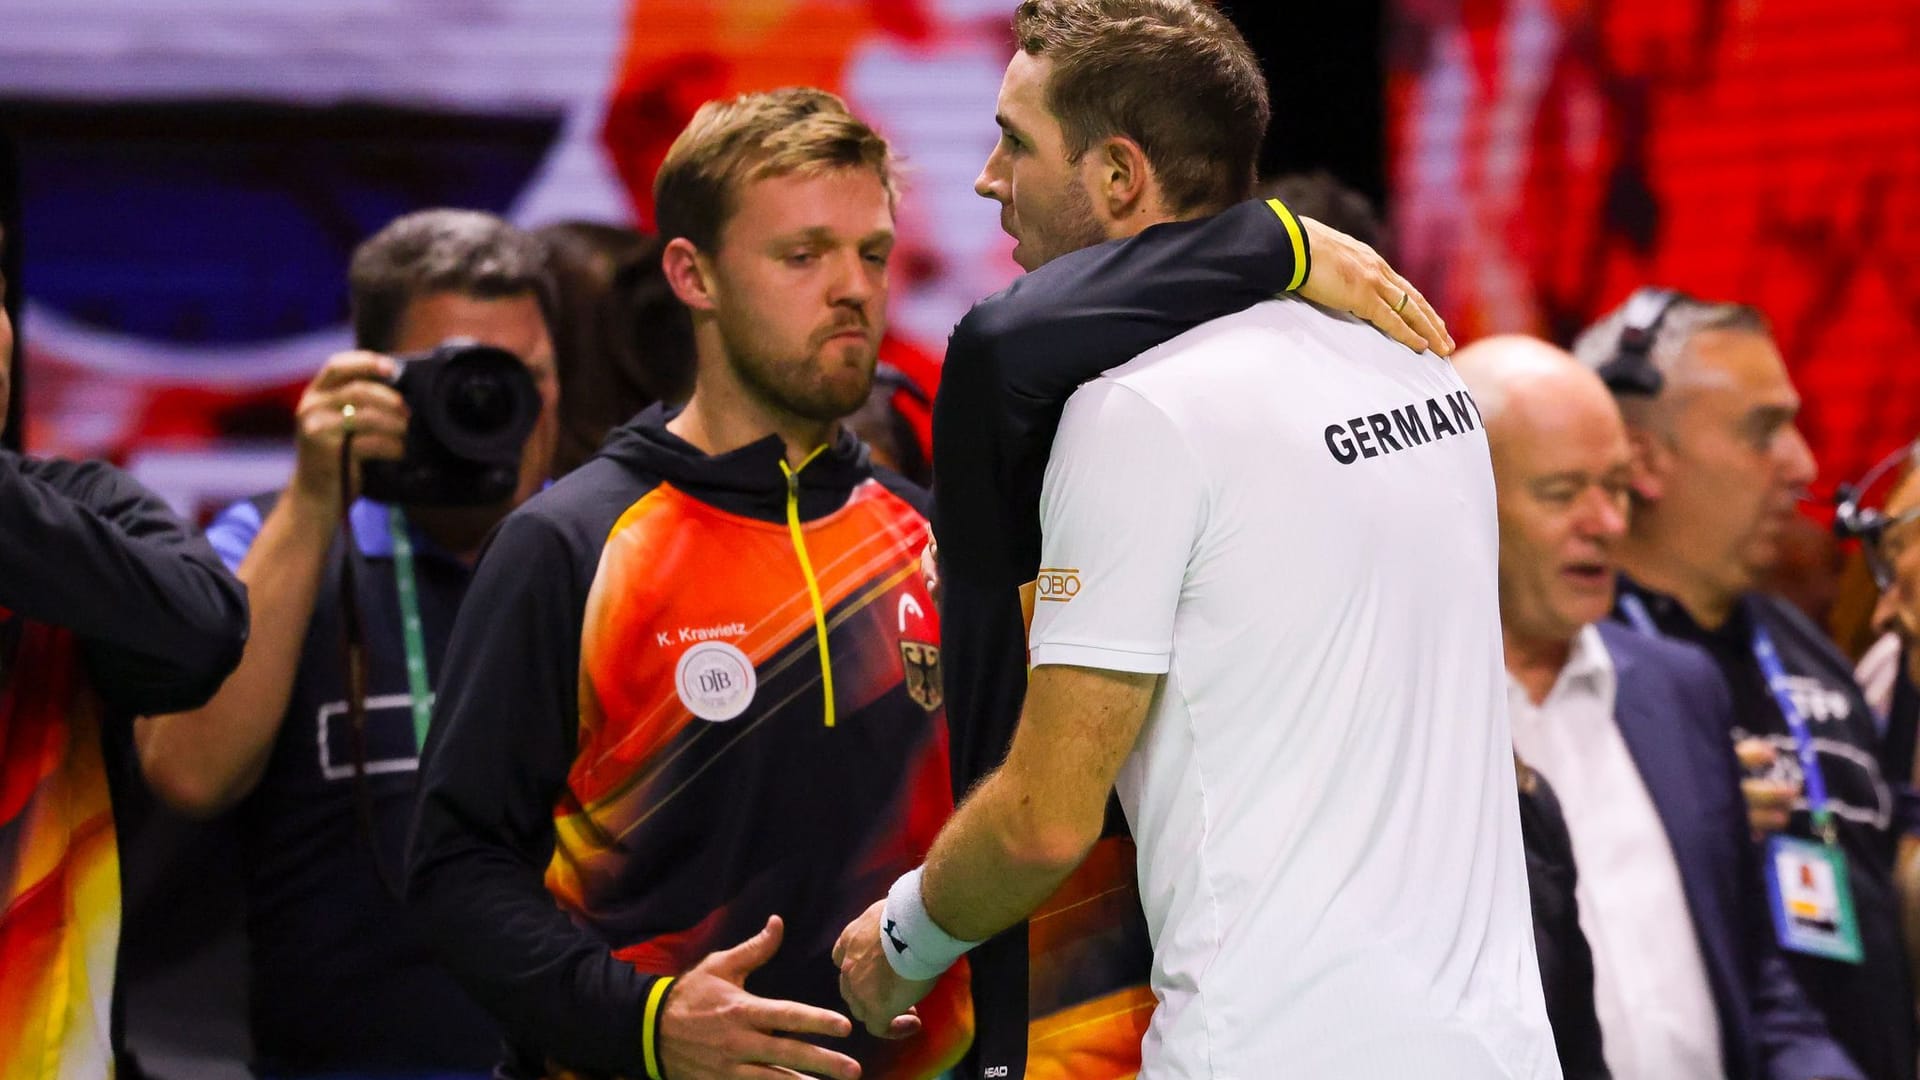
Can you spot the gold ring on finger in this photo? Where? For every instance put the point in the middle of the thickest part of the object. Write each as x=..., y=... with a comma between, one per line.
x=1402, y=305
x=346, y=419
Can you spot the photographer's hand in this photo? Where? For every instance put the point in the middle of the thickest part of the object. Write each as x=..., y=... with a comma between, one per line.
x=379, y=426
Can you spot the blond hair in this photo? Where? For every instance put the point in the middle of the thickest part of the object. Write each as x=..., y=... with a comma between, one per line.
x=728, y=144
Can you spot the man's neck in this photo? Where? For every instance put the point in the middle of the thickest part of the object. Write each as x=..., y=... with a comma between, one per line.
x=1707, y=604
x=1136, y=223
x=722, y=417
x=1535, y=663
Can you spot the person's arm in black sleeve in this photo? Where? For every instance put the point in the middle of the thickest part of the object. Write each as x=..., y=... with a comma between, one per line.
x=1096, y=308
x=160, y=621
x=495, y=762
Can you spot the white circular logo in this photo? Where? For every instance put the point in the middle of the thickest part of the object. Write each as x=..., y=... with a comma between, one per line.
x=715, y=680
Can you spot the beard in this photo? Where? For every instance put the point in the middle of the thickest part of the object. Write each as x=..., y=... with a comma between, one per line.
x=1072, y=227
x=823, y=383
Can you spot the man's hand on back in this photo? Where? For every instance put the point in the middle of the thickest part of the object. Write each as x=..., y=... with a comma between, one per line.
x=1349, y=276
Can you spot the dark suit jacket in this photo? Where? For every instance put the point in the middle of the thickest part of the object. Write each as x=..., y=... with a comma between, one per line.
x=1674, y=712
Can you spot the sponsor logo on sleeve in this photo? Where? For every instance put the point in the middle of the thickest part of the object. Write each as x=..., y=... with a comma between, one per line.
x=1056, y=585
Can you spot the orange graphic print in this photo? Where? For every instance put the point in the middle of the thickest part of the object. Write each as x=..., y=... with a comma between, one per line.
x=60, y=925
x=707, y=791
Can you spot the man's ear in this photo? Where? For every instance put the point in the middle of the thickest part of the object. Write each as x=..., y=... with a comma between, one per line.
x=1121, y=180
x=688, y=274
x=1652, y=459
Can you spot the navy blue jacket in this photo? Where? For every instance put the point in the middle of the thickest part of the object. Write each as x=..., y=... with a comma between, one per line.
x=1674, y=712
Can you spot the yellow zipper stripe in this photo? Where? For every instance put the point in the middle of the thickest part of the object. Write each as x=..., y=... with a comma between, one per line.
x=806, y=570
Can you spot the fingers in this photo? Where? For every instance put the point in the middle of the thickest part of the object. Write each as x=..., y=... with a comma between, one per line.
x=905, y=1025
x=1755, y=754
x=1379, y=311
x=346, y=367
x=1770, y=804
x=737, y=963
x=768, y=1014
x=1420, y=315
x=778, y=1053
x=379, y=421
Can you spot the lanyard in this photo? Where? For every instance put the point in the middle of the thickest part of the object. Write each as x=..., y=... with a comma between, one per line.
x=411, y=634
x=1775, y=674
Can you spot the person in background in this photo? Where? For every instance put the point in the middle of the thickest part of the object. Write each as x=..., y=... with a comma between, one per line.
x=1717, y=469
x=621, y=339
x=1890, y=672
x=1631, y=729
x=343, y=978
x=110, y=606
x=692, y=720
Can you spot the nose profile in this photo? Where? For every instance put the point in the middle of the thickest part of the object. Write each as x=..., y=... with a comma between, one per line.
x=1798, y=467
x=987, y=185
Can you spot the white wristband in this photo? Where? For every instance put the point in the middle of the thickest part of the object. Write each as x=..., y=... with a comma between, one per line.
x=916, y=947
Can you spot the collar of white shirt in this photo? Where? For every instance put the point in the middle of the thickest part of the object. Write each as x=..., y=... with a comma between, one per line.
x=1588, y=672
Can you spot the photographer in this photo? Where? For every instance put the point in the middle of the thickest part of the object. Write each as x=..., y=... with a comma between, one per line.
x=342, y=978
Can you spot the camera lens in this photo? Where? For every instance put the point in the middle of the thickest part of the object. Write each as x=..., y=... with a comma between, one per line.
x=480, y=403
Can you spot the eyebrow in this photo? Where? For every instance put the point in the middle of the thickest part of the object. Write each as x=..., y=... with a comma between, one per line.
x=1007, y=125
x=818, y=234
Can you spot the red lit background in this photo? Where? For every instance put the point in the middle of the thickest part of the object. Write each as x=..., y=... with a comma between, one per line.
x=1547, y=157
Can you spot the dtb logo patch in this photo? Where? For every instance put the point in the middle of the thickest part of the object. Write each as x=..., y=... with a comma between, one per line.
x=922, y=664
x=716, y=681
x=1057, y=585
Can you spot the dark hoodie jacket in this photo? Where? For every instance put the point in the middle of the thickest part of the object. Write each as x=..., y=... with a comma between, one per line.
x=685, y=693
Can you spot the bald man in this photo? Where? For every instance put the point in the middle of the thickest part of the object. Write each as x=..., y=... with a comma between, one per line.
x=1631, y=731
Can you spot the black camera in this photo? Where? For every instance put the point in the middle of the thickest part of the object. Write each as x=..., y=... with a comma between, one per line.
x=473, y=407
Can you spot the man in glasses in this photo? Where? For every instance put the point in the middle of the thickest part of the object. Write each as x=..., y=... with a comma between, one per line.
x=1717, y=469
x=1890, y=672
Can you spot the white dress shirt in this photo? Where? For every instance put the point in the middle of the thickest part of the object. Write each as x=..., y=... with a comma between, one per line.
x=1657, y=1017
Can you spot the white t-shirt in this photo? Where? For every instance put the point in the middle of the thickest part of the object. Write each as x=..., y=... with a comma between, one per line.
x=1292, y=518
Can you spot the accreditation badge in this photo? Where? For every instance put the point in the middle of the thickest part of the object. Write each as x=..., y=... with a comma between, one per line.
x=1812, y=903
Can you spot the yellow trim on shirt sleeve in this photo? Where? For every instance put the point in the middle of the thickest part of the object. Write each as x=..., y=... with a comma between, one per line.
x=1299, y=238
x=650, y=1026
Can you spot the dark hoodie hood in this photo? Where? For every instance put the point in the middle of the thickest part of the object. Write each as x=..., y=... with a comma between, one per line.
x=747, y=481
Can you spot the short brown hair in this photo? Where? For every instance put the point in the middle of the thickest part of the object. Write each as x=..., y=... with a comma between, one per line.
x=1174, y=76
x=430, y=251
x=753, y=137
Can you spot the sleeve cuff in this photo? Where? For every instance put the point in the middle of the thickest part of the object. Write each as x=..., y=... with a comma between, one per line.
x=650, y=1027
x=1297, y=233
x=1101, y=658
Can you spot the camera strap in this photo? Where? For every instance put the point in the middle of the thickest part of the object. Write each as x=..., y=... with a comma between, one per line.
x=412, y=638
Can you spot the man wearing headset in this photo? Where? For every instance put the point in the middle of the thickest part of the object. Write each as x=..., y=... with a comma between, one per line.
x=1890, y=671
x=1717, y=469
